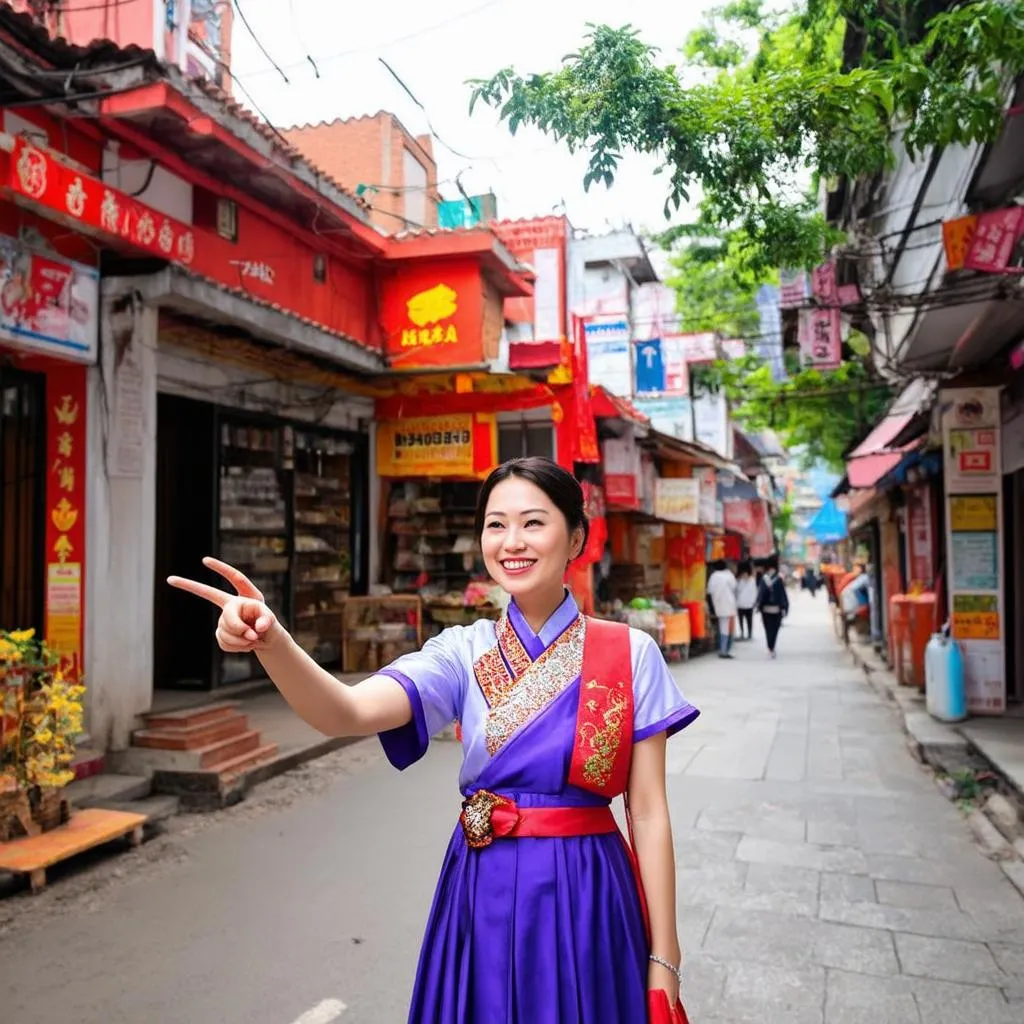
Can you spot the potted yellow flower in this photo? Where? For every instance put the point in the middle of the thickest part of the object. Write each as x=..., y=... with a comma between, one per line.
x=40, y=717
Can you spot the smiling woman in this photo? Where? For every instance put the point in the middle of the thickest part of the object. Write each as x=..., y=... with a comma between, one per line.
x=543, y=915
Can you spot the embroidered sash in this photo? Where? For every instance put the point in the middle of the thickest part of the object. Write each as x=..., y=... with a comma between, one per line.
x=603, y=747
x=518, y=689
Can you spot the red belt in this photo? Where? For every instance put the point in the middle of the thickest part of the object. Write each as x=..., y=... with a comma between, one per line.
x=487, y=816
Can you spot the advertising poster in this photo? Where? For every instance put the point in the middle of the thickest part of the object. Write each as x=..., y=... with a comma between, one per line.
x=971, y=445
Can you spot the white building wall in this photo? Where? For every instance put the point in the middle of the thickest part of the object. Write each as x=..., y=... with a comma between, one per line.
x=121, y=528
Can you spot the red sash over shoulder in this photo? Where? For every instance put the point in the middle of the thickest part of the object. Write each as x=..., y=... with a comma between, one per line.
x=603, y=749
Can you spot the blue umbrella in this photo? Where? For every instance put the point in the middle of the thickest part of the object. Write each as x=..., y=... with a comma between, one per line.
x=829, y=525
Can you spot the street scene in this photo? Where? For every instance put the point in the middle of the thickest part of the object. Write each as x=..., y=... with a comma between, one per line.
x=439, y=451
x=822, y=876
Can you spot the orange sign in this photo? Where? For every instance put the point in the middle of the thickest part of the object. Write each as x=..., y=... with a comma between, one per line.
x=65, y=512
x=433, y=316
x=460, y=445
x=957, y=236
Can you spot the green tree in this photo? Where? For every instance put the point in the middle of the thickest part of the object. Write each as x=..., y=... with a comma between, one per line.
x=821, y=413
x=773, y=103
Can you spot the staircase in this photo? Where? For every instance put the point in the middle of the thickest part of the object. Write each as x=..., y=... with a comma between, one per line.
x=201, y=755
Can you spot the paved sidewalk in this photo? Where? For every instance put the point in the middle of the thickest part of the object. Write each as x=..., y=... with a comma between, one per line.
x=822, y=876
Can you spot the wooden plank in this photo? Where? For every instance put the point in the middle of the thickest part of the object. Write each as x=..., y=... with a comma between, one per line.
x=86, y=829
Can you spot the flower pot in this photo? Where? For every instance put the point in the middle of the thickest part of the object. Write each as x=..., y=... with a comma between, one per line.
x=16, y=816
x=50, y=808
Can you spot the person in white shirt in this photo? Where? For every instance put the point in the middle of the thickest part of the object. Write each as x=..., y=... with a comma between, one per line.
x=722, y=591
x=746, y=598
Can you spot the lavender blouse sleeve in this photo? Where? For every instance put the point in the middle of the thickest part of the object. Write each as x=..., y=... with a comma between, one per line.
x=658, y=704
x=434, y=679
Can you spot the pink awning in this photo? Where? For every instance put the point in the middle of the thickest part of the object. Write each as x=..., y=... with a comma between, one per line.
x=866, y=471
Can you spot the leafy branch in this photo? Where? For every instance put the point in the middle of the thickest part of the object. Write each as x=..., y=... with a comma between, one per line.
x=776, y=104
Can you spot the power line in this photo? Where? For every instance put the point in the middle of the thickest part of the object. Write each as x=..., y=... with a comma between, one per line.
x=427, y=30
x=258, y=42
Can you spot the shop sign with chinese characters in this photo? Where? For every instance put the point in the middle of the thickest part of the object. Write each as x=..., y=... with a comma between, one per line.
x=677, y=500
x=47, y=303
x=462, y=445
x=65, y=511
x=433, y=316
x=971, y=424
x=88, y=203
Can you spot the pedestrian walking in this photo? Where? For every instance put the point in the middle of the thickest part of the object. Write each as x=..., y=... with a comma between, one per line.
x=746, y=598
x=773, y=604
x=722, y=592
x=542, y=914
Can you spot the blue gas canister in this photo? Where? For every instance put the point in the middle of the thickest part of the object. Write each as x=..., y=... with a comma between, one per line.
x=945, y=687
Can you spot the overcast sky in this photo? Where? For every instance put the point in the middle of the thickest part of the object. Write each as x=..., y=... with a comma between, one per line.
x=435, y=48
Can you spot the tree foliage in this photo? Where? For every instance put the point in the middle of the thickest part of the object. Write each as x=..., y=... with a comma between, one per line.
x=819, y=413
x=770, y=103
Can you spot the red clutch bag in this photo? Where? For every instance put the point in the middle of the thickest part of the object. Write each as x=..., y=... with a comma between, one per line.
x=659, y=1012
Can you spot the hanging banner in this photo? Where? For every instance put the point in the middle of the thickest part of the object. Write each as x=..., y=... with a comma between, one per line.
x=677, y=501
x=971, y=425
x=956, y=238
x=824, y=287
x=461, y=445
x=993, y=240
x=820, y=338
x=65, y=513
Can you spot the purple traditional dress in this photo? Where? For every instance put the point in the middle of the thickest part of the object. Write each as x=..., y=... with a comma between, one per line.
x=532, y=930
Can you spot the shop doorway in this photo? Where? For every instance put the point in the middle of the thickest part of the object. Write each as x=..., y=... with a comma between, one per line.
x=186, y=480
x=22, y=498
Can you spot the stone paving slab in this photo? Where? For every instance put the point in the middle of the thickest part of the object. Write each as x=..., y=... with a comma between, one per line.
x=828, y=879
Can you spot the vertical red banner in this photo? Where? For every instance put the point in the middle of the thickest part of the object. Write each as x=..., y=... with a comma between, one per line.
x=65, y=513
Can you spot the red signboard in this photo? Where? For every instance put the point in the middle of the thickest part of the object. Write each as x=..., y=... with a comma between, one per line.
x=65, y=512
x=620, y=489
x=739, y=517
x=433, y=315
x=37, y=175
x=994, y=238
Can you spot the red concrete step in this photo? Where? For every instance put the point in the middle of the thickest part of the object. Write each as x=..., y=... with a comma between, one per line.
x=187, y=718
x=195, y=736
x=230, y=770
x=227, y=750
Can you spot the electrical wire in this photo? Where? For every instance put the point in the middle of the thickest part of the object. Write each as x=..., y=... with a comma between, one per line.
x=427, y=30
x=394, y=74
x=309, y=58
x=259, y=43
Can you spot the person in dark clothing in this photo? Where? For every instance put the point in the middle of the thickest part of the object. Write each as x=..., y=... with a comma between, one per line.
x=772, y=603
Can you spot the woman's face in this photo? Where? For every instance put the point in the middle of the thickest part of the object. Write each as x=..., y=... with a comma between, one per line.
x=526, y=542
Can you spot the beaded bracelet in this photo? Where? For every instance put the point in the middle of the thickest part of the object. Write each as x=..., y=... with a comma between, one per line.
x=677, y=971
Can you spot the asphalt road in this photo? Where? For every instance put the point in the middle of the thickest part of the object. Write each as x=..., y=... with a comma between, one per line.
x=822, y=879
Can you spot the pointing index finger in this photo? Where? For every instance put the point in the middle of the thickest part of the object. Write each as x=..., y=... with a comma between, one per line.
x=212, y=594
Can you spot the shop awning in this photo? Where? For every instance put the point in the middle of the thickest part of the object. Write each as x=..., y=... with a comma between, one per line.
x=829, y=525
x=881, y=451
x=607, y=406
x=734, y=488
